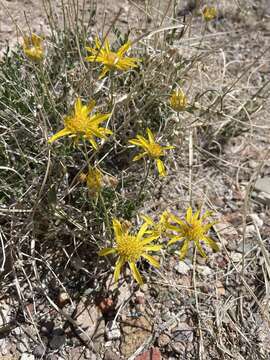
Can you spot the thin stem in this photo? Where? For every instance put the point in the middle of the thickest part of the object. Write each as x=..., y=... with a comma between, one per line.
x=144, y=181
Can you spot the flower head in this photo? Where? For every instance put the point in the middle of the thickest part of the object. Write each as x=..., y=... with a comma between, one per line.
x=160, y=228
x=80, y=123
x=209, y=13
x=178, y=100
x=151, y=149
x=110, y=59
x=94, y=181
x=130, y=248
x=33, y=47
x=191, y=229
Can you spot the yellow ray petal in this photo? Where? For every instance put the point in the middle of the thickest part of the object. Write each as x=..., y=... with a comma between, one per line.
x=118, y=266
x=189, y=215
x=150, y=136
x=161, y=167
x=152, y=260
x=106, y=251
x=135, y=273
x=59, y=134
x=152, y=247
x=124, y=48
x=139, y=156
x=184, y=249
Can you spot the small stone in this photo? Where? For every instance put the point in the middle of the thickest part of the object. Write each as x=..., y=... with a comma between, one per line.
x=139, y=297
x=257, y=220
x=183, y=333
x=263, y=185
x=178, y=347
x=22, y=346
x=39, y=351
x=58, y=339
x=27, y=356
x=236, y=257
x=113, y=331
x=163, y=340
x=110, y=355
x=204, y=270
x=182, y=268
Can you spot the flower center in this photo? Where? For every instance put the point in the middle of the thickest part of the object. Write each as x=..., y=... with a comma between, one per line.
x=112, y=59
x=155, y=150
x=77, y=124
x=194, y=231
x=130, y=248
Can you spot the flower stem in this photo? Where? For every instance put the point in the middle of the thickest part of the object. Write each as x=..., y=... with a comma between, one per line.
x=144, y=181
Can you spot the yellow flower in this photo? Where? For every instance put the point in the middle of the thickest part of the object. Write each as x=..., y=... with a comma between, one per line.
x=159, y=228
x=33, y=47
x=80, y=123
x=178, y=100
x=110, y=59
x=94, y=180
x=151, y=149
x=192, y=229
x=130, y=248
x=209, y=13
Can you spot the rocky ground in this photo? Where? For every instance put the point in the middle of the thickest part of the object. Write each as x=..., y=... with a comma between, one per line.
x=214, y=308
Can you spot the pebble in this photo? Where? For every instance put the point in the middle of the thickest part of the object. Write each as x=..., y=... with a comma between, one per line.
x=58, y=339
x=113, y=331
x=204, y=270
x=163, y=340
x=27, y=356
x=22, y=346
x=182, y=268
x=236, y=257
x=39, y=351
x=110, y=355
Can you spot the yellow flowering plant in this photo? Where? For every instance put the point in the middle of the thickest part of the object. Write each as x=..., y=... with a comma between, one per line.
x=151, y=149
x=209, y=13
x=191, y=229
x=33, y=47
x=178, y=100
x=130, y=248
x=81, y=124
x=111, y=60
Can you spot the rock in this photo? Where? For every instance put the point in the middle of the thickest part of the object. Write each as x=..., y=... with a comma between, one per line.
x=88, y=354
x=22, y=345
x=39, y=351
x=182, y=268
x=183, y=333
x=90, y=320
x=110, y=355
x=27, y=356
x=204, y=270
x=135, y=332
x=152, y=354
x=163, y=340
x=236, y=257
x=113, y=331
x=178, y=347
x=58, y=339
x=256, y=220
x=263, y=185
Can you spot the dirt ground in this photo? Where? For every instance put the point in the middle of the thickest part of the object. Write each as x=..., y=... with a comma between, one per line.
x=228, y=317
